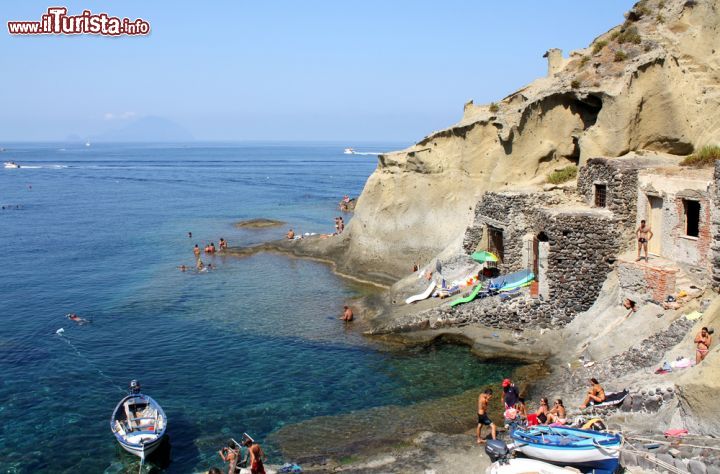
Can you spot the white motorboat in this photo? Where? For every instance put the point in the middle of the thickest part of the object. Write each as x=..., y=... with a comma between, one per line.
x=138, y=423
x=525, y=466
x=11, y=165
x=349, y=151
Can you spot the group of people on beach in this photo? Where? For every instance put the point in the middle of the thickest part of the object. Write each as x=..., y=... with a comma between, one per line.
x=516, y=410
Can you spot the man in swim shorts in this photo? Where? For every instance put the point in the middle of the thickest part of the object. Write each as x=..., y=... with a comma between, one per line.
x=196, y=251
x=483, y=419
x=703, y=341
x=644, y=234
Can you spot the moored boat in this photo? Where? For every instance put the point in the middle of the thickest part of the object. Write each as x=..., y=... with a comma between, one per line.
x=583, y=449
x=138, y=423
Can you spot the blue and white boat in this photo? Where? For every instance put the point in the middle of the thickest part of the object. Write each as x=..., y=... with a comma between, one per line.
x=138, y=423
x=586, y=450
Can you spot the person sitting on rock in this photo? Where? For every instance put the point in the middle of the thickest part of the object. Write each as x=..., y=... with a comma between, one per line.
x=291, y=234
x=558, y=412
x=596, y=394
x=521, y=408
x=543, y=412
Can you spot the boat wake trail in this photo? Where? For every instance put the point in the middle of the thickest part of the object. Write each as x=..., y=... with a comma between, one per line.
x=43, y=167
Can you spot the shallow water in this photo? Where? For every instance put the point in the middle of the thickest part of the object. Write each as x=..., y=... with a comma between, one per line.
x=252, y=346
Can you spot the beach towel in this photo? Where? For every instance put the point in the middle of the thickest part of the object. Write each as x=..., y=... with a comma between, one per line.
x=676, y=433
x=693, y=316
x=611, y=399
x=683, y=363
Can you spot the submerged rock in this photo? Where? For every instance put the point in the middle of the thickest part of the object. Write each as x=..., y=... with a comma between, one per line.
x=259, y=223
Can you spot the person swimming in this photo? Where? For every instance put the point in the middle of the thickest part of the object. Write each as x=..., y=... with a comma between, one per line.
x=77, y=319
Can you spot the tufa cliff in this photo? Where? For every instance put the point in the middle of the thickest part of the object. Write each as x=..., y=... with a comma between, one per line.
x=650, y=84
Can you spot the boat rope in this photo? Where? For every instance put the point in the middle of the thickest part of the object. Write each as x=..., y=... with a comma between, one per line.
x=670, y=443
x=653, y=459
x=91, y=363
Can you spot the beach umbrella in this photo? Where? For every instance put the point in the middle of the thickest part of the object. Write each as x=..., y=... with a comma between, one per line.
x=484, y=256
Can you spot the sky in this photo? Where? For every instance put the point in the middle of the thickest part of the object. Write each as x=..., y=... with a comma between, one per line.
x=285, y=70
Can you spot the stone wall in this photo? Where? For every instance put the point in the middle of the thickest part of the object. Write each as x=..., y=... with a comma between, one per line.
x=641, y=281
x=621, y=181
x=715, y=245
x=517, y=214
x=583, y=246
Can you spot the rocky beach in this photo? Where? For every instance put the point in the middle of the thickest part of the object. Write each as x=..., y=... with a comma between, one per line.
x=623, y=114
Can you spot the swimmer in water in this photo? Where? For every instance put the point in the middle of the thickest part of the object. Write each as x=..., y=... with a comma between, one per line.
x=75, y=318
x=182, y=268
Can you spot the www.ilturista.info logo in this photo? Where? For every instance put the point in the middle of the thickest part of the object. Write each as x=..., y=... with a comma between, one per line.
x=57, y=22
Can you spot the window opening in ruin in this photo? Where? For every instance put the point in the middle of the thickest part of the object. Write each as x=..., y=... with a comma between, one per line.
x=600, y=195
x=495, y=242
x=692, y=218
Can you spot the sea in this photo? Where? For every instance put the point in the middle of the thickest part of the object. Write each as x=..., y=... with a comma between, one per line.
x=252, y=346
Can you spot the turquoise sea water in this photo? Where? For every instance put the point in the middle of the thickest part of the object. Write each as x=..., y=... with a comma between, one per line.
x=251, y=346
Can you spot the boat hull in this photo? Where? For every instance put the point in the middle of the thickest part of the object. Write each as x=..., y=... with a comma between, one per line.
x=582, y=449
x=140, y=450
x=586, y=459
x=525, y=466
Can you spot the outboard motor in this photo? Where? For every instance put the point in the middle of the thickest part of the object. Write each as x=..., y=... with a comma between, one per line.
x=496, y=450
x=134, y=387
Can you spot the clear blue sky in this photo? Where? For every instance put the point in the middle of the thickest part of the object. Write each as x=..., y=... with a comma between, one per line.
x=341, y=70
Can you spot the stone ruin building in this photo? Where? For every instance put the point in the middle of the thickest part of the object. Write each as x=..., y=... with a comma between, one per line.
x=573, y=238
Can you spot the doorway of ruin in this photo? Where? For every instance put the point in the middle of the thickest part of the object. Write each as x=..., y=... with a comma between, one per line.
x=541, y=249
x=655, y=221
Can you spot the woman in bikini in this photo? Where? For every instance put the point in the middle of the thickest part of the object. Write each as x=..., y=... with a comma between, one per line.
x=543, y=413
x=703, y=341
x=558, y=412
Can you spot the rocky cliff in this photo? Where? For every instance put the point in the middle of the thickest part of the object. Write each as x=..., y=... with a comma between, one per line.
x=651, y=83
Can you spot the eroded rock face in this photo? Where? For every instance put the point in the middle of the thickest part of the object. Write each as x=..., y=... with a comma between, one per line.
x=657, y=91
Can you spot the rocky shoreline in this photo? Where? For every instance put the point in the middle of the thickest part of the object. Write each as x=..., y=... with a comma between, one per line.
x=481, y=327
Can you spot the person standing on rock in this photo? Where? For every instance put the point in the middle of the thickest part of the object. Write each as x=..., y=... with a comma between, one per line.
x=644, y=234
x=703, y=341
x=483, y=419
x=510, y=393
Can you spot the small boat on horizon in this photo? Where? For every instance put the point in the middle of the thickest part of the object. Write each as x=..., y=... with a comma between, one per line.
x=138, y=423
x=349, y=151
x=11, y=165
x=87, y=143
